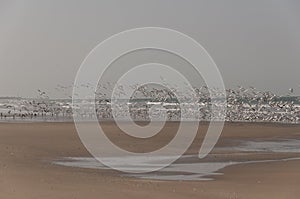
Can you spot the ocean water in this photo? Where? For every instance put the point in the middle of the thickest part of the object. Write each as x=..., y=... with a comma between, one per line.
x=282, y=110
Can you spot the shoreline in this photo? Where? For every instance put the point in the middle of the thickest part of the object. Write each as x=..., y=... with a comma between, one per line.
x=141, y=121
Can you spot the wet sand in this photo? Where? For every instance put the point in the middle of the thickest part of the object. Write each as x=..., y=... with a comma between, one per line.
x=27, y=151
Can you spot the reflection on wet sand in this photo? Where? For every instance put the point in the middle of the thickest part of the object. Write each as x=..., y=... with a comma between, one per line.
x=189, y=167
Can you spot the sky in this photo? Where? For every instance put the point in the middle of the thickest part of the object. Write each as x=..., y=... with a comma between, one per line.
x=43, y=43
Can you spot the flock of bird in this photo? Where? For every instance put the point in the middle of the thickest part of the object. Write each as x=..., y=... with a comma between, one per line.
x=243, y=104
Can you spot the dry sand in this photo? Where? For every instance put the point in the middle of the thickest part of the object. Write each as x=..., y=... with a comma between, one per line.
x=27, y=149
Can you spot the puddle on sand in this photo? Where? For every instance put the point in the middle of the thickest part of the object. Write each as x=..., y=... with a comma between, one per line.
x=176, y=171
x=192, y=168
x=277, y=146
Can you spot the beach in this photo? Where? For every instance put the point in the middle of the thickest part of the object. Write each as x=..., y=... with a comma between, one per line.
x=28, y=152
x=149, y=99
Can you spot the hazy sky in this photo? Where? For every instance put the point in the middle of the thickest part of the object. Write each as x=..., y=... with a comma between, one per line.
x=254, y=43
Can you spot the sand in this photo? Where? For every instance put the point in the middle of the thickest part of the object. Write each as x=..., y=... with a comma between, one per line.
x=27, y=151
